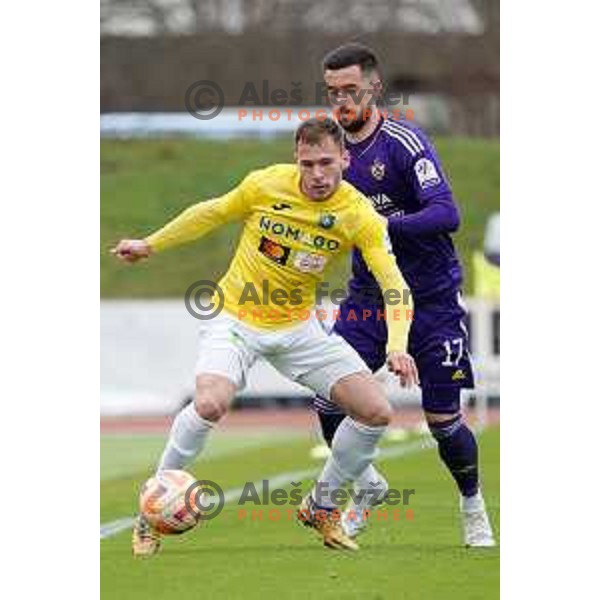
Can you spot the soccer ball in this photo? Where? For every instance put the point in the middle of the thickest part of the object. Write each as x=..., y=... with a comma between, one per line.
x=168, y=502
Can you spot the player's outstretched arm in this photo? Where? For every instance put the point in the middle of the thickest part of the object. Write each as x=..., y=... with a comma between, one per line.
x=188, y=226
x=191, y=224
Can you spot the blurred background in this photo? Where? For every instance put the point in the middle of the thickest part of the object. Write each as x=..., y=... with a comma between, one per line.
x=442, y=56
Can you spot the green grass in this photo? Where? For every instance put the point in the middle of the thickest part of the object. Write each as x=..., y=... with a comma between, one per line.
x=121, y=457
x=144, y=183
x=248, y=559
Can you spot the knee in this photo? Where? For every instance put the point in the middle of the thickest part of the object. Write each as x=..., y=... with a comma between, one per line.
x=361, y=398
x=212, y=399
x=209, y=407
x=443, y=427
x=377, y=415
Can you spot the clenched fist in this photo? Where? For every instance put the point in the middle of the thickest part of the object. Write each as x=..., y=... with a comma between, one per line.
x=132, y=250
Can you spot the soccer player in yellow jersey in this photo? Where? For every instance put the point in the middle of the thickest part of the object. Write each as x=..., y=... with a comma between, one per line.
x=297, y=218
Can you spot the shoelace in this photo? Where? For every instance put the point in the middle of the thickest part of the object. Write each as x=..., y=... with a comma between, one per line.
x=313, y=509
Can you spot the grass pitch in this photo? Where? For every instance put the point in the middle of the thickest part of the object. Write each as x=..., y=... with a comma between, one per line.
x=233, y=558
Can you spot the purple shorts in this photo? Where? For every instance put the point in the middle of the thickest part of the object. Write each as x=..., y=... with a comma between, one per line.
x=438, y=341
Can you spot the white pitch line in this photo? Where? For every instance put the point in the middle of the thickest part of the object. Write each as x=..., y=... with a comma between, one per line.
x=113, y=527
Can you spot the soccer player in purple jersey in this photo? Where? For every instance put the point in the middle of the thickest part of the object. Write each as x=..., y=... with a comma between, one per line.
x=394, y=164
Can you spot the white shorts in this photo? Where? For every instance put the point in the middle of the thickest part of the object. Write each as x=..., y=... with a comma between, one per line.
x=304, y=353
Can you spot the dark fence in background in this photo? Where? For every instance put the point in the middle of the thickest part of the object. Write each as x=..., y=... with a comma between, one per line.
x=152, y=50
x=153, y=73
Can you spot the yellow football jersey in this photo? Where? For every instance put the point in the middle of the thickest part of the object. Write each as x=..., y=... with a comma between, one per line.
x=287, y=241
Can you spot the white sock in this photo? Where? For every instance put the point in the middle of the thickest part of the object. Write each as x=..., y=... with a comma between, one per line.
x=370, y=487
x=472, y=503
x=353, y=449
x=187, y=438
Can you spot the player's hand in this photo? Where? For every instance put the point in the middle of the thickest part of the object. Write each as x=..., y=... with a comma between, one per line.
x=132, y=250
x=403, y=365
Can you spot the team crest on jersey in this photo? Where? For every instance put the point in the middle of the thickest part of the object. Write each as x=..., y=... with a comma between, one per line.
x=378, y=169
x=326, y=221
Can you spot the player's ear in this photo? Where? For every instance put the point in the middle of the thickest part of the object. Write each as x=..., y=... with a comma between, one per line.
x=345, y=159
x=377, y=86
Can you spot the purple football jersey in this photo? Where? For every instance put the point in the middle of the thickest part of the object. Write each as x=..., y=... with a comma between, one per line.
x=398, y=170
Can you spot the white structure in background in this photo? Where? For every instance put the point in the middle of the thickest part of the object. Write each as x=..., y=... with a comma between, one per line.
x=491, y=242
x=148, y=351
x=183, y=17
x=430, y=111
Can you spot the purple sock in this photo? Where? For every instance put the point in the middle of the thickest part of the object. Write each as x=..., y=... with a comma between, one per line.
x=457, y=447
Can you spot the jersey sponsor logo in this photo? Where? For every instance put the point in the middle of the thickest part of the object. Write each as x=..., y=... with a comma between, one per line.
x=327, y=221
x=297, y=234
x=381, y=201
x=281, y=206
x=378, y=170
x=308, y=262
x=274, y=251
x=427, y=174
